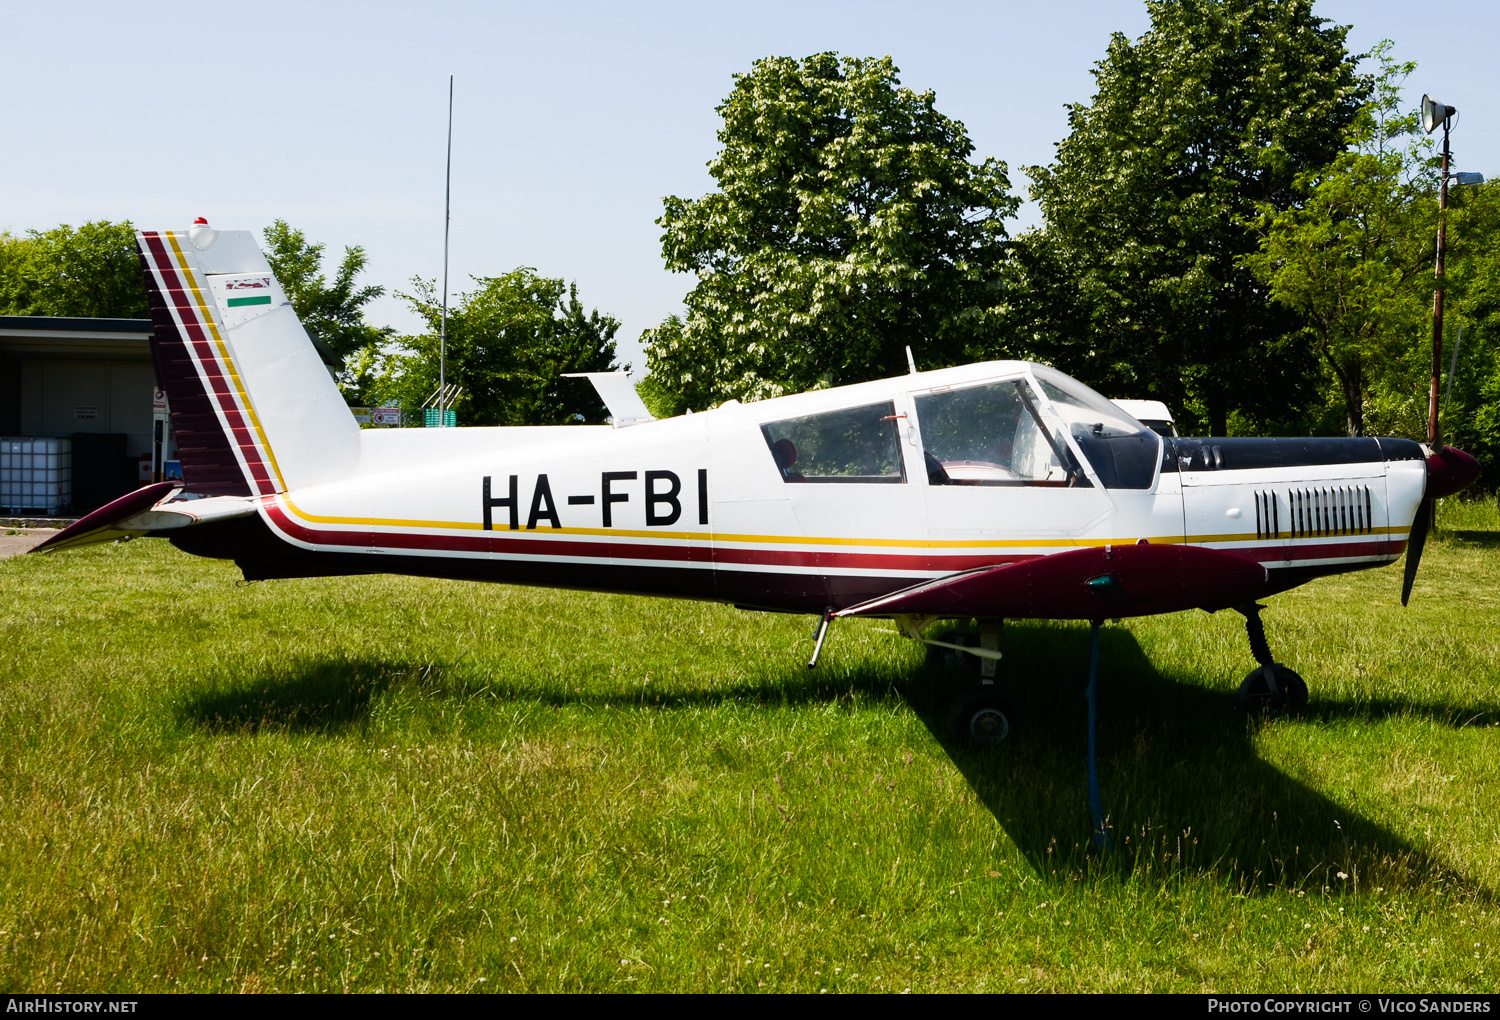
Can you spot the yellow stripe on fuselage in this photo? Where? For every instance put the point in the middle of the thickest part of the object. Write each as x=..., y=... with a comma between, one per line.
x=878, y=543
x=715, y=536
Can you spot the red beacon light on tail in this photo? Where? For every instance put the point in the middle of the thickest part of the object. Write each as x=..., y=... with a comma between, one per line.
x=201, y=234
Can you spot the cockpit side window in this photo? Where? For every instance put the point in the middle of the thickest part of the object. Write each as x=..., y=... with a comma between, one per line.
x=991, y=435
x=856, y=444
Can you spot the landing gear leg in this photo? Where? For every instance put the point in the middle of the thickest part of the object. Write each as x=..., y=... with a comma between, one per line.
x=986, y=716
x=1273, y=686
x=989, y=640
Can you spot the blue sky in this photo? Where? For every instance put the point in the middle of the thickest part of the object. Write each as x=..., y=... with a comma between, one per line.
x=572, y=120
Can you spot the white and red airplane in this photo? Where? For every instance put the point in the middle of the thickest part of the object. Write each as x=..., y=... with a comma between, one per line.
x=987, y=491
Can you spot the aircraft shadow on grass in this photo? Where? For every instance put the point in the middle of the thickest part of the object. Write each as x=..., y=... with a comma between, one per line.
x=333, y=695
x=1488, y=539
x=1185, y=790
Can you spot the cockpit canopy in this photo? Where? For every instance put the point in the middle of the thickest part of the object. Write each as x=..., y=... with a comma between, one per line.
x=997, y=432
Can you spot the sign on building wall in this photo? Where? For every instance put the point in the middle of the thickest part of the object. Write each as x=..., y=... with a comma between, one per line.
x=376, y=415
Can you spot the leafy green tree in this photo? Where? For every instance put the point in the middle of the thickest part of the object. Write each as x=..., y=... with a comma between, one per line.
x=92, y=271
x=849, y=223
x=1195, y=126
x=687, y=392
x=509, y=342
x=333, y=313
x=1354, y=257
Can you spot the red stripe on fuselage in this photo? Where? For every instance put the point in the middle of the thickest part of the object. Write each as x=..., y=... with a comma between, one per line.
x=502, y=543
x=175, y=291
x=506, y=543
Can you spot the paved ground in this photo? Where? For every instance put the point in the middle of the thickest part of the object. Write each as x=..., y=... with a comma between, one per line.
x=14, y=541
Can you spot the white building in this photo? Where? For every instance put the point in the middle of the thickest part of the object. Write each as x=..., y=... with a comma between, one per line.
x=90, y=381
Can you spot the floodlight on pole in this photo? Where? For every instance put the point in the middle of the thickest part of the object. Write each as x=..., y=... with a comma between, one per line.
x=1433, y=114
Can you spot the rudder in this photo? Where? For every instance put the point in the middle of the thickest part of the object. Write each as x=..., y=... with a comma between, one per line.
x=254, y=410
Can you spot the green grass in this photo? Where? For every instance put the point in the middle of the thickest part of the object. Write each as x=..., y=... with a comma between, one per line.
x=398, y=784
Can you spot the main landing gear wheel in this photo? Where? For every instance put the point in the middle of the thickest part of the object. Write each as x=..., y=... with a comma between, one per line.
x=984, y=718
x=1287, y=694
x=1272, y=687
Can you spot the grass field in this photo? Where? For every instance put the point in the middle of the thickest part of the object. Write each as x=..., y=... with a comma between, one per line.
x=386, y=783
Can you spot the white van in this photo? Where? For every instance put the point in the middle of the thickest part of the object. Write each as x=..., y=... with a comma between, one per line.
x=1151, y=413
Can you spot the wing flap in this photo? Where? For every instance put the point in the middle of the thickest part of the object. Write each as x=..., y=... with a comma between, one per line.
x=1093, y=583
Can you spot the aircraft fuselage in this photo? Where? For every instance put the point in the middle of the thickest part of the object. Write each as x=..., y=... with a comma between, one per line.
x=700, y=506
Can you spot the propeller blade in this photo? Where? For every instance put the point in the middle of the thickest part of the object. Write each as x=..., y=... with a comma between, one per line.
x=1414, y=547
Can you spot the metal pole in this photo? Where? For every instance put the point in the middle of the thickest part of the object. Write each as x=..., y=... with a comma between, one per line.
x=448, y=219
x=1096, y=806
x=1437, y=300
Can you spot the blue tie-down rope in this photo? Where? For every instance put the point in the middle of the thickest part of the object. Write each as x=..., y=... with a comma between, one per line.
x=1096, y=807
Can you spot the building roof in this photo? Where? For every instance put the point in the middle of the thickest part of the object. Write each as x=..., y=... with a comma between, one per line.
x=72, y=324
x=55, y=336
x=62, y=336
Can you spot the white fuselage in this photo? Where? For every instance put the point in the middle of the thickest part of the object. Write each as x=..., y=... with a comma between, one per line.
x=699, y=506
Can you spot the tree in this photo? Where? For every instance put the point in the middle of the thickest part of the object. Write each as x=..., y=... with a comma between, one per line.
x=509, y=342
x=1196, y=126
x=332, y=314
x=849, y=223
x=93, y=271
x=1354, y=257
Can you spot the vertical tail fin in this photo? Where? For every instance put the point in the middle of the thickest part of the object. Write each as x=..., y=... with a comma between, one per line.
x=253, y=407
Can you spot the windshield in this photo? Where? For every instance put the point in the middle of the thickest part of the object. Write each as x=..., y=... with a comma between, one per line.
x=1080, y=405
x=988, y=434
x=1123, y=452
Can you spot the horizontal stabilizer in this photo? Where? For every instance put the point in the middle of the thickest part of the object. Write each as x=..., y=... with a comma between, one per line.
x=1095, y=583
x=619, y=395
x=144, y=512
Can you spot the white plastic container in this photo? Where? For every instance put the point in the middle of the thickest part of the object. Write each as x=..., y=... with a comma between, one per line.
x=36, y=475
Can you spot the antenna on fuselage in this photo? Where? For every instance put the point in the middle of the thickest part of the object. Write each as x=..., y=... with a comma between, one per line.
x=911, y=362
x=447, y=221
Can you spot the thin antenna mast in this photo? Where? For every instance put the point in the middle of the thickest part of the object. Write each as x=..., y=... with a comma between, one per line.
x=447, y=221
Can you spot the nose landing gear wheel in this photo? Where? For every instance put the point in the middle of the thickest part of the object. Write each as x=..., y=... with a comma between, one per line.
x=984, y=718
x=1287, y=694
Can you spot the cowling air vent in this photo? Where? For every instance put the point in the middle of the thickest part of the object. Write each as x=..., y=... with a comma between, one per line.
x=1332, y=510
x=1308, y=513
x=1267, y=515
